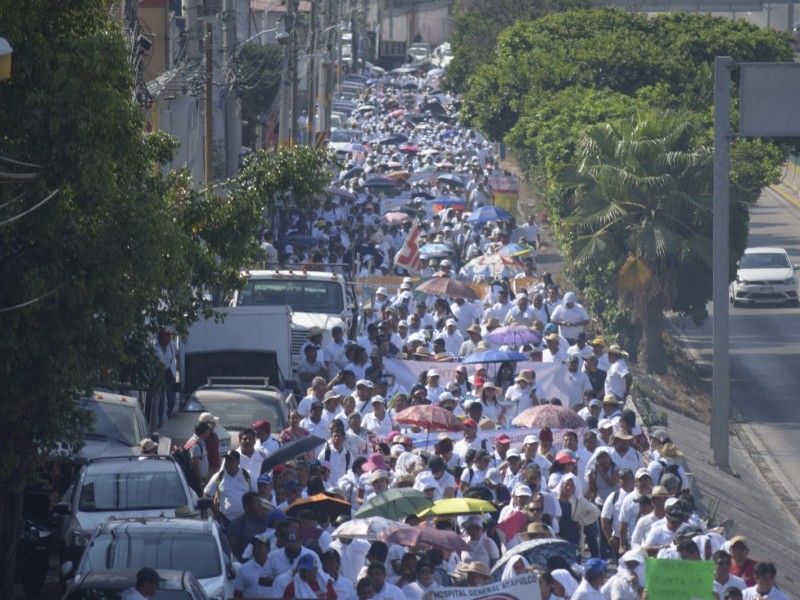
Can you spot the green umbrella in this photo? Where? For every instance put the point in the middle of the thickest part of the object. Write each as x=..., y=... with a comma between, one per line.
x=396, y=503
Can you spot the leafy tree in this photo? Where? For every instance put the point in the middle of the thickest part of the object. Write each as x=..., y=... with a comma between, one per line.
x=97, y=250
x=642, y=191
x=258, y=78
x=479, y=22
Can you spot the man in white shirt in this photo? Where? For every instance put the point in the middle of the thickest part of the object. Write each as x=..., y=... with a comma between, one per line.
x=333, y=353
x=500, y=308
x=764, y=589
x=470, y=440
x=335, y=453
x=553, y=353
x=465, y=313
x=248, y=578
x=594, y=574
x=722, y=575
x=521, y=314
x=250, y=458
x=530, y=231
x=264, y=439
x=434, y=389
x=576, y=382
x=570, y=317
x=231, y=483
x=618, y=378
x=453, y=338
x=624, y=454
x=609, y=515
x=314, y=422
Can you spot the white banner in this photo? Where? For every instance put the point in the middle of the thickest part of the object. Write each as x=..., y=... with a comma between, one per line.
x=550, y=382
x=522, y=587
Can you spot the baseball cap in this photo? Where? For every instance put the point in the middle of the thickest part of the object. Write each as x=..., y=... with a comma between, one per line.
x=306, y=561
x=378, y=400
x=470, y=423
x=513, y=453
x=207, y=417
x=594, y=567
x=737, y=539
x=502, y=439
x=494, y=475
x=625, y=473
x=642, y=473
x=531, y=439
x=262, y=423
x=365, y=383
x=595, y=402
x=148, y=575
x=433, y=373
x=265, y=478
x=522, y=490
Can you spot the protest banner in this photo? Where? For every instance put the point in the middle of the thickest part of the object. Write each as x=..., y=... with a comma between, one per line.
x=679, y=579
x=506, y=191
x=550, y=380
x=522, y=587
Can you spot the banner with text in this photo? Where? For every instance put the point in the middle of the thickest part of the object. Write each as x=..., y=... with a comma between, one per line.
x=679, y=579
x=522, y=587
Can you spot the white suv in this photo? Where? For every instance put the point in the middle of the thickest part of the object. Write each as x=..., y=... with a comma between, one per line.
x=765, y=276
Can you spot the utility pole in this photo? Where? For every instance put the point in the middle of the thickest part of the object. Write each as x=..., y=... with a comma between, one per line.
x=311, y=79
x=209, y=101
x=233, y=122
x=286, y=118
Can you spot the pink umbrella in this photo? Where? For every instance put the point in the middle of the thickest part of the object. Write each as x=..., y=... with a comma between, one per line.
x=430, y=417
x=549, y=415
x=408, y=149
x=427, y=536
x=514, y=335
x=394, y=218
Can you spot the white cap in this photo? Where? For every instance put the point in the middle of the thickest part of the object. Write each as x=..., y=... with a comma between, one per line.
x=433, y=373
x=494, y=475
x=377, y=399
x=450, y=322
x=382, y=290
x=531, y=439
x=522, y=490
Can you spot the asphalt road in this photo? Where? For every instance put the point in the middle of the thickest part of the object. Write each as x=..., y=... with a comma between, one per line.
x=764, y=346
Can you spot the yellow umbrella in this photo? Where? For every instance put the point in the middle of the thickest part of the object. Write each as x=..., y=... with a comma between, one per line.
x=399, y=175
x=458, y=506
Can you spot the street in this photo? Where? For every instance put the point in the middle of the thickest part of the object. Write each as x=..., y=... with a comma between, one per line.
x=764, y=345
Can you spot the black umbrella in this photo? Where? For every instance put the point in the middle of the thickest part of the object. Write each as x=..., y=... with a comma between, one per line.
x=354, y=172
x=538, y=552
x=291, y=450
x=450, y=179
x=393, y=140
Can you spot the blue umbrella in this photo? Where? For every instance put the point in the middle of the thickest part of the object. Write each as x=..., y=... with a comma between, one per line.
x=448, y=134
x=301, y=240
x=393, y=139
x=494, y=356
x=489, y=213
x=435, y=249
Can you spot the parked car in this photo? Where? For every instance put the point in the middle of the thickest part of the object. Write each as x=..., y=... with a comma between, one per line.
x=765, y=276
x=197, y=546
x=105, y=584
x=117, y=426
x=134, y=486
x=238, y=402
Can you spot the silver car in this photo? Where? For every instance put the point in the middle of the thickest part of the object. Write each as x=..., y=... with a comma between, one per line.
x=765, y=276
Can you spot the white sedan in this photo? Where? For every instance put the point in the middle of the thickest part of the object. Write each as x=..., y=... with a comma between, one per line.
x=765, y=276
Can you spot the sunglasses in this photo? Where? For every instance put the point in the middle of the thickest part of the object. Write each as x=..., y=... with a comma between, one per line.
x=535, y=509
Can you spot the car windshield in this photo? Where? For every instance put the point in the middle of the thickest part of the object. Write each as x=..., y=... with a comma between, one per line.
x=345, y=135
x=301, y=294
x=102, y=594
x=159, y=549
x=239, y=412
x=765, y=260
x=131, y=491
x=115, y=422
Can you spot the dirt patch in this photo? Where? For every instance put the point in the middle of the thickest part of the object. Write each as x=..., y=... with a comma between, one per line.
x=686, y=388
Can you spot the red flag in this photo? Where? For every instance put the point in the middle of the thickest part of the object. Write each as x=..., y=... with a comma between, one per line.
x=408, y=257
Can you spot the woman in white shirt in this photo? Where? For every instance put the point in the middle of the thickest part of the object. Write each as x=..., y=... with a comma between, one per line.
x=379, y=421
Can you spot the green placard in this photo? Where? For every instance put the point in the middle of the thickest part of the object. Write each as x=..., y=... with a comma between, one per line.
x=679, y=579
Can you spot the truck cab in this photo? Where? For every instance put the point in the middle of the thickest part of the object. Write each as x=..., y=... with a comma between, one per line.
x=316, y=299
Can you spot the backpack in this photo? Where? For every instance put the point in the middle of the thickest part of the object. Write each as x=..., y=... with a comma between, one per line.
x=346, y=457
x=672, y=470
x=181, y=456
x=221, y=474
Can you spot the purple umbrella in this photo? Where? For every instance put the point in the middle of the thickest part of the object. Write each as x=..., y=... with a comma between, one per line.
x=514, y=335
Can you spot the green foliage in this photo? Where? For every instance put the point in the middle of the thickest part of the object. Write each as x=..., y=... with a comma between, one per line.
x=258, y=78
x=478, y=24
x=293, y=174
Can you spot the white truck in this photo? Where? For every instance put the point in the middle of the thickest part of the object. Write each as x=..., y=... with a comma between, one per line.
x=316, y=299
x=242, y=341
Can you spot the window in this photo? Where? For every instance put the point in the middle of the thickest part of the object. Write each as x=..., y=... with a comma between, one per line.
x=301, y=295
x=114, y=421
x=131, y=491
x=161, y=549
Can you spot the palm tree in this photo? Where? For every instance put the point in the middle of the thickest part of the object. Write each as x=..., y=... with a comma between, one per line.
x=641, y=195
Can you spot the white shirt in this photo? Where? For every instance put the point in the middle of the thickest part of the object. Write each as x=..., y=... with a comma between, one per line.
x=231, y=489
x=611, y=509
x=733, y=581
x=321, y=429
x=338, y=460
x=576, y=384
x=643, y=527
x=615, y=379
x=774, y=594
x=380, y=427
x=576, y=314
x=269, y=445
x=631, y=460
x=247, y=581
x=586, y=592
x=659, y=535
x=452, y=342
x=483, y=549
x=352, y=556
x=253, y=463
x=389, y=592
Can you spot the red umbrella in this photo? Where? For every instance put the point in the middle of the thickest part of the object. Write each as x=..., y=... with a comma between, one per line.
x=408, y=149
x=428, y=536
x=549, y=415
x=444, y=286
x=395, y=218
x=430, y=417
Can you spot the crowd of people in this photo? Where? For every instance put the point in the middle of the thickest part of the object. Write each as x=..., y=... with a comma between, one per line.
x=616, y=493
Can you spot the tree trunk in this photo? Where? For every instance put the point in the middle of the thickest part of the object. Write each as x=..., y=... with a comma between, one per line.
x=654, y=356
x=10, y=531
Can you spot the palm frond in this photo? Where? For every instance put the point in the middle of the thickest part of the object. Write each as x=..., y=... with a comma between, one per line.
x=635, y=276
x=655, y=240
x=592, y=249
